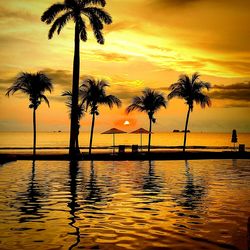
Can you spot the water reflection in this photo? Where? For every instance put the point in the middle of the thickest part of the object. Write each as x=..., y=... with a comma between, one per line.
x=31, y=200
x=150, y=186
x=94, y=192
x=193, y=192
x=73, y=205
x=152, y=182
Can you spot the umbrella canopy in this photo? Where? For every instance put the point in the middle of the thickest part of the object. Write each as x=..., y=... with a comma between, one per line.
x=114, y=131
x=140, y=131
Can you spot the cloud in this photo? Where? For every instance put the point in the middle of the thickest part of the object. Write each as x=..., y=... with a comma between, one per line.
x=109, y=56
x=237, y=92
x=235, y=86
x=169, y=3
x=7, y=14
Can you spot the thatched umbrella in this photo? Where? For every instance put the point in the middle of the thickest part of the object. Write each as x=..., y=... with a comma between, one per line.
x=140, y=131
x=114, y=131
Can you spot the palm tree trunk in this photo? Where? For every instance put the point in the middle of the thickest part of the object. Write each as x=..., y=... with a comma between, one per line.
x=149, y=135
x=75, y=90
x=34, y=133
x=77, y=144
x=91, y=133
x=186, y=126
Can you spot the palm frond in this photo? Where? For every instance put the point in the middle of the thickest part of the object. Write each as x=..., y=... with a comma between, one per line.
x=82, y=29
x=94, y=2
x=59, y=24
x=190, y=90
x=111, y=100
x=97, y=26
x=150, y=102
x=50, y=14
x=33, y=85
x=43, y=97
x=100, y=13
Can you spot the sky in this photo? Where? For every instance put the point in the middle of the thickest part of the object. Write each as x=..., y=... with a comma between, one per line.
x=149, y=44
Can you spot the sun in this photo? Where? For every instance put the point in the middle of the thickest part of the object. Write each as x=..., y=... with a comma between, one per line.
x=126, y=123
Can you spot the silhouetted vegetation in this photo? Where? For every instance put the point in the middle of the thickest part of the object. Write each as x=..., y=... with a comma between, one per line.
x=33, y=85
x=190, y=89
x=59, y=15
x=93, y=93
x=150, y=102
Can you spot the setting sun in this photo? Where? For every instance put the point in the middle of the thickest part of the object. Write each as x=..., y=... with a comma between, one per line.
x=126, y=123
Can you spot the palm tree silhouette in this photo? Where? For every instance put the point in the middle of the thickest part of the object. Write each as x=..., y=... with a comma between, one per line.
x=190, y=89
x=80, y=113
x=60, y=14
x=150, y=102
x=33, y=85
x=94, y=94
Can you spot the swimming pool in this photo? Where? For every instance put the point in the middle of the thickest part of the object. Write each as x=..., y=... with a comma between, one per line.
x=196, y=204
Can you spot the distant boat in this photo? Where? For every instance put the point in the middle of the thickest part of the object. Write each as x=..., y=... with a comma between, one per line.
x=188, y=131
x=176, y=131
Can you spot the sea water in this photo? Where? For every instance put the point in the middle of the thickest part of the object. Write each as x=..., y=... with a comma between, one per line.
x=61, y=139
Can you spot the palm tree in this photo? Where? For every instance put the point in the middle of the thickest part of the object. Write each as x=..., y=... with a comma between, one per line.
x=190, y=89
x=150, y=102
x=94, y=94
x=33, y=85
x=80, y=113
x=77, y=10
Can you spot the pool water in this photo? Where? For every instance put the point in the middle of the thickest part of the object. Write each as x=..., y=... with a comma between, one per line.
x=198, y=204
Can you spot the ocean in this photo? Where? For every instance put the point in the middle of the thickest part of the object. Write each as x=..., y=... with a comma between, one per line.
x=10, y=141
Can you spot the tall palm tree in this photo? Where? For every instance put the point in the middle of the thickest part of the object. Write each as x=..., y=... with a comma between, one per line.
x=150, y=102
x=190, y=89
x=80, y=113
x=94, y=94
x=77, y=10
x=33, y=85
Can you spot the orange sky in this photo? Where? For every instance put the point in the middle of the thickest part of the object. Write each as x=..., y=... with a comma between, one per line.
x=149, y=44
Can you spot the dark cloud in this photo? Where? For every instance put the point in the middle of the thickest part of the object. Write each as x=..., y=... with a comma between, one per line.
x=237, y=92
x=235, y=86
x=59, y=77
x=169, y=3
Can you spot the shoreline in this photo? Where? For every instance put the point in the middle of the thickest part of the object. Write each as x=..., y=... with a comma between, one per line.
x=128, y=156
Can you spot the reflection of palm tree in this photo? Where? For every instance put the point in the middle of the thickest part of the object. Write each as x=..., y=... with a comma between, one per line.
x=32, y=204
x=80, y=113
x=94, y=94
x=73, y=205
x=33, y=85
x=150, y=102
x=75, y=10
x=192, y=193
x=94, y=191
x=151, y=181
x=190, y=89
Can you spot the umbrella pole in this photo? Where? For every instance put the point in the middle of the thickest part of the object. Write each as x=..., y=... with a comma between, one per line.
x=113, y=143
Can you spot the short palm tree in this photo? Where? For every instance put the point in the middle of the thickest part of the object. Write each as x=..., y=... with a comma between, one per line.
x=190, y=89
x=80, y=113
x=94, y=94
x=33, y=85
x=150, y=102
x=59, y=15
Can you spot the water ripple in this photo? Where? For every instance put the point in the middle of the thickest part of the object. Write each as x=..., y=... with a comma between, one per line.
x=125, y=205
